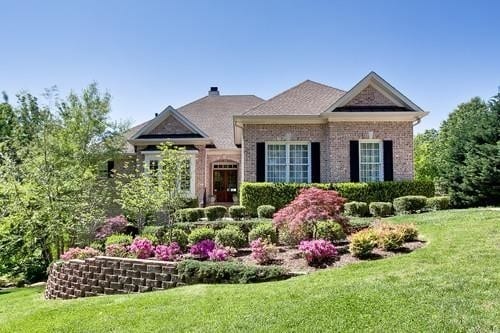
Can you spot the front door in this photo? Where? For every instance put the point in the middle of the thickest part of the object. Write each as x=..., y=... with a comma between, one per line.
x=225, y=185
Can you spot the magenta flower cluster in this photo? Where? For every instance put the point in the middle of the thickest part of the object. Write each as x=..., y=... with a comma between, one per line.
x=141, y=248
x=208, y=249
x=112, y=225
x=168, y=252
x=317, y=251
x=79, y=253
x=262, y=251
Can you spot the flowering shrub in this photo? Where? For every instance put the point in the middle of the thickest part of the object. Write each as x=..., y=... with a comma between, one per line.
x=263, y=251
x=112, y=225
x=202, y=248
x=168, y=252
x=218, y=254
x=310, y=206
x=141, y=248
x=117, y=250
x=317, y=251
x=79, y=253
x=264, y=231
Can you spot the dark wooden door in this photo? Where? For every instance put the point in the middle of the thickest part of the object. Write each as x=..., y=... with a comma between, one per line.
x=225, y=185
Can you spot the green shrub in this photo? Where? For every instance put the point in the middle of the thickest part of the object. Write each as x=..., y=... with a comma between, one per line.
x=329, y=230
x=97, y=245
x=193, y=271
x=215, y=212
x=390, y=239
x=264, y=231
x=237, y=212
x=265, y=211
x=230, y=236
x=380, y=209
x=409, y=204
x=285, y=237
x=176, y=235
x=120, y=239
x=200, y=234
x=356, y=208
x=190, y=203
x=438, y=203
x=190, y=214
x=409, y=231
x=253, y=195
x=362, y=243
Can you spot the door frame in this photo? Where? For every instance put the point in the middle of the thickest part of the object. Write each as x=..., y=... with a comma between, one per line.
x=229, y=165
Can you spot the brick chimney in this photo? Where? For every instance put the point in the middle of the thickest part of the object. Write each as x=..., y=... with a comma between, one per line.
x=214, y=91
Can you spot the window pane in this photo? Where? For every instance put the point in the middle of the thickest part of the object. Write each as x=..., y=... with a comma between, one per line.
x=370, y=162
x=186, y=176
x=276, y=163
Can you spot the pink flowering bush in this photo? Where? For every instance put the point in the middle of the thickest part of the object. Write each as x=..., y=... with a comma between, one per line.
x=218, y=254
x=263, y=252
x=79, y=253
x=113, y=225
x=117, y=250
x=202, y=248
x=317, y=251
x=168, y=252
x=141, y=248
x=310, y=206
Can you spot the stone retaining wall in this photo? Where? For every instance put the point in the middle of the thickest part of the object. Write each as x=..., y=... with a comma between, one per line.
x=108, y=275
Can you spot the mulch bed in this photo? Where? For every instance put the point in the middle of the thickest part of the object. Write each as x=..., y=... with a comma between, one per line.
x=291, y=258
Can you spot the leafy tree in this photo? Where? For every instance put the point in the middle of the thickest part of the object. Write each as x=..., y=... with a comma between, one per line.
x=426, y=155
x=469, y=153
x=145, y=192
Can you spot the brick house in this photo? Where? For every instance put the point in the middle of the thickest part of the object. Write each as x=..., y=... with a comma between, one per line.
x=308, y=133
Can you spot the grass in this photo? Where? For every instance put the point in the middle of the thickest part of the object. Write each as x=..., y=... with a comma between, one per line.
x=451, y=285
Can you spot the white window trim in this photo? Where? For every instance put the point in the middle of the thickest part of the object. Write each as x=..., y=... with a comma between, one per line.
x=287, y=152
x=381, y=156
x=155, y=156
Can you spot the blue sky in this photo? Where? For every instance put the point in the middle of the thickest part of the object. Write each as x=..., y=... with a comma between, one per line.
x=150, y=54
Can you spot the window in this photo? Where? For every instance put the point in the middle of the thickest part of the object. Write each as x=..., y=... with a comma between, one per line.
x=288, y=162
x=370, y=161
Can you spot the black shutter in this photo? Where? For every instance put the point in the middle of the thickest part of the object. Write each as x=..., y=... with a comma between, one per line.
x=261, y=162
x=388, y=165
x=111, y=166
x=354, y=160
x=315, y=162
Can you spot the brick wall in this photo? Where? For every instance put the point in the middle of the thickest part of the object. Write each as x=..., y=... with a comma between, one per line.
x=334, y=140
x=370, y=97
x=108, y=275
x=171, y=126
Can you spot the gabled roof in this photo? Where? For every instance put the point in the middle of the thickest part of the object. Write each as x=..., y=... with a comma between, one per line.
x=214, y=114
x=397, y=101
x=306, y=98
x=168, y=112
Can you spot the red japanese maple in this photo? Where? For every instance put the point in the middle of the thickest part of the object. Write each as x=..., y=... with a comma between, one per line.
x=310, y=206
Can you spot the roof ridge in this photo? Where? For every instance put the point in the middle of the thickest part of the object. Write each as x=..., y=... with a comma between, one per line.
x=325, y=85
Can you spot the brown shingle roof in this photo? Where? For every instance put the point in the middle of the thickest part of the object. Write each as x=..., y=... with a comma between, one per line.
x=306, y=98
x=214, y=115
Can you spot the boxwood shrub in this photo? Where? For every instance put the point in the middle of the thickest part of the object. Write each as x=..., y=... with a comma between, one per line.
x=193, y=271
x=329, y=230
x=438, y=203
x=266, y=211
x=120, y=239
x=199, y=234
x=190, y=214
x=230, y=236
x=380, y=209
x=215, y=212
x=356, y=208
x=409, y=204
x=237, y=212
x=253, y=195
x=264, y=231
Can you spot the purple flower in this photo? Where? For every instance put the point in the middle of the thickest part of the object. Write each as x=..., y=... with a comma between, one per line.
x=218, y=254
x=112, y=225
x=117, y=250
x=141, y=248
x=168, y=252
x=317, y=251
x=262, y=251
x=79, y=253
x=202, y=248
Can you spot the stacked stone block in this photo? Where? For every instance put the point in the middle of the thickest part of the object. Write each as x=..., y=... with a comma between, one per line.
x=108, y=275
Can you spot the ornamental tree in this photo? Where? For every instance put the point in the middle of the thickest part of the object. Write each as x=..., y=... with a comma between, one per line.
x=309, y=207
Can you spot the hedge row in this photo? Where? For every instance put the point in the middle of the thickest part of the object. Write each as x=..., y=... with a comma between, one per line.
x=253, y=195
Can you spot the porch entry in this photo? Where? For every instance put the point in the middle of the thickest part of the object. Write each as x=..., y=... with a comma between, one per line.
x=225, y=181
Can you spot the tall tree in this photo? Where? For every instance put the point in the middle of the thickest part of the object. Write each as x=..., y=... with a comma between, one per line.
x=426, y=155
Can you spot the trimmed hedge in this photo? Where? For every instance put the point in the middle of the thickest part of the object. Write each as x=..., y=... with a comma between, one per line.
x=237, y=212
x=253, y=195
x=380, y=209
x=266, y=211
x=230, y=236
x=215, y=212
x=199, y=234
x=409, y=204
x=264, y=231
x=356, y=208
x=438, y=203
x=193, y=271
x=190, y=214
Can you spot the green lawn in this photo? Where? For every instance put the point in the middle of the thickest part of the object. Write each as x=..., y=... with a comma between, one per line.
x=451, y=285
